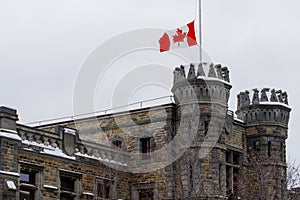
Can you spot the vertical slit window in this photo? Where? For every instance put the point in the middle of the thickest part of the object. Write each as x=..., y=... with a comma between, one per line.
x=269, y=148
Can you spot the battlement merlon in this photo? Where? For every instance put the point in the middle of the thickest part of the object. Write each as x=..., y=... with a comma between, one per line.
x=267, y=106
x=196, y=86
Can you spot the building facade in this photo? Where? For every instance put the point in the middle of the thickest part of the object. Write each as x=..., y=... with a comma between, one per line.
x=192, y=148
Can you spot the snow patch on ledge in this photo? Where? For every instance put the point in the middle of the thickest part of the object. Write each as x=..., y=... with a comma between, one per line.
x=213, y=79
x=100, y=159
x=47, y=149
x=274, y=103
x=10, y=135
x=57, y=152
x=239, y=120
x=88, y=193
x=70, y=131
x=9, y=173
x=31, y=143
x=51, y=187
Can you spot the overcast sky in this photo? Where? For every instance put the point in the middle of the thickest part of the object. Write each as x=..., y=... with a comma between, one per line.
x=43, y=45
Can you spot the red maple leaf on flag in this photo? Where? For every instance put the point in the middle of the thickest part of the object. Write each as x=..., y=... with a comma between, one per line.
x=179, y=36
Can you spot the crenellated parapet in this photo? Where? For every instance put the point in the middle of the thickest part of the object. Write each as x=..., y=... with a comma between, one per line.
x=209, y=83
x=65, y=143
x=265, y=105
x=214, y=71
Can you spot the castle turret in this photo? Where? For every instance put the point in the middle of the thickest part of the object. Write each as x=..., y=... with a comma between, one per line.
x=266, y=116
x=202, y=101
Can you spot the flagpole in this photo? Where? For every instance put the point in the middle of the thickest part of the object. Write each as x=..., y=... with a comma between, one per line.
x=200, y=33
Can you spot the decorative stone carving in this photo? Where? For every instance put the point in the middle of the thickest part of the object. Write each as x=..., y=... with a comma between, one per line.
x=273, y=96
x=280, y=97
x=219, y=71
x=225, y=74
x=212, y=72
x=176, y=74
x=255, y=99
x=243, y=99
x=182, y=71
x=192, y=73
x=69, y=143
x=264, y=96
x=285, y=98
x=200, y=70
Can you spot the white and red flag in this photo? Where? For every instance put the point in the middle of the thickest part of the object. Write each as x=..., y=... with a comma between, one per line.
x=184, y=36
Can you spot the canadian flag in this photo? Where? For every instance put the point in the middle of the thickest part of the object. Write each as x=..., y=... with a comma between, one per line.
x=184, y=36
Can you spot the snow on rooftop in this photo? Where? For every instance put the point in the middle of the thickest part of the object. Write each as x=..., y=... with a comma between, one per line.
x=88, y=193
x=100, y=159
x=239, y=120
x=9, y=134
x=57, y=152
x=274, y=103
x=51, y=187
x=205, y=78
x=47, y=149
x=70, y=131
x=32, y=143
x=9, y=173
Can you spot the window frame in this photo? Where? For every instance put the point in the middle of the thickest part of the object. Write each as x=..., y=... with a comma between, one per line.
x=146, y=147
x=106, y=183
x=34, y=182
x=73, y=177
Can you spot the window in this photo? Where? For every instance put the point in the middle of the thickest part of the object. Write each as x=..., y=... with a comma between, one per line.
x=69, y=184
x=281, y=151
x=144, y=191
x=256, y=146
x=236, y=158
x=27, y=177
x=269, y=148
x=30, y=181
x=145, y=148
x=117, y=144
x=233, y=164
x=146, y=195
x=104, y=189
x=228, y=157
x=27, y=185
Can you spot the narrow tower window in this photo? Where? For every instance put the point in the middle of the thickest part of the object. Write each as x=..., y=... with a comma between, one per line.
x=269, y=148
x=145, y=148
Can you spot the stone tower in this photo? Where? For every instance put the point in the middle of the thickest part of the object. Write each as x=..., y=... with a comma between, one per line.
x=266, y=116
x=202, y=102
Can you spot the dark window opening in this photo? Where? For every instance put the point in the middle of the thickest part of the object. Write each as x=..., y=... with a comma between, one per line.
x=27, y=177
x=146, y=195
x=27, y=192
x=26, y=195
x=220, y=175
x=103, y=189
x=236, y=159
x=269, y=148
x=145, y=148
x=235, y=182
x=206, y=123
x=228, y=157
x=67, y=184
x=228, y=180
x=256, y=146
x=66, y=197
x=117, y=144
x=282, y=151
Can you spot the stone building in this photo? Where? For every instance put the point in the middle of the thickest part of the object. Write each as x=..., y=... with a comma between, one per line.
x=192, y=148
